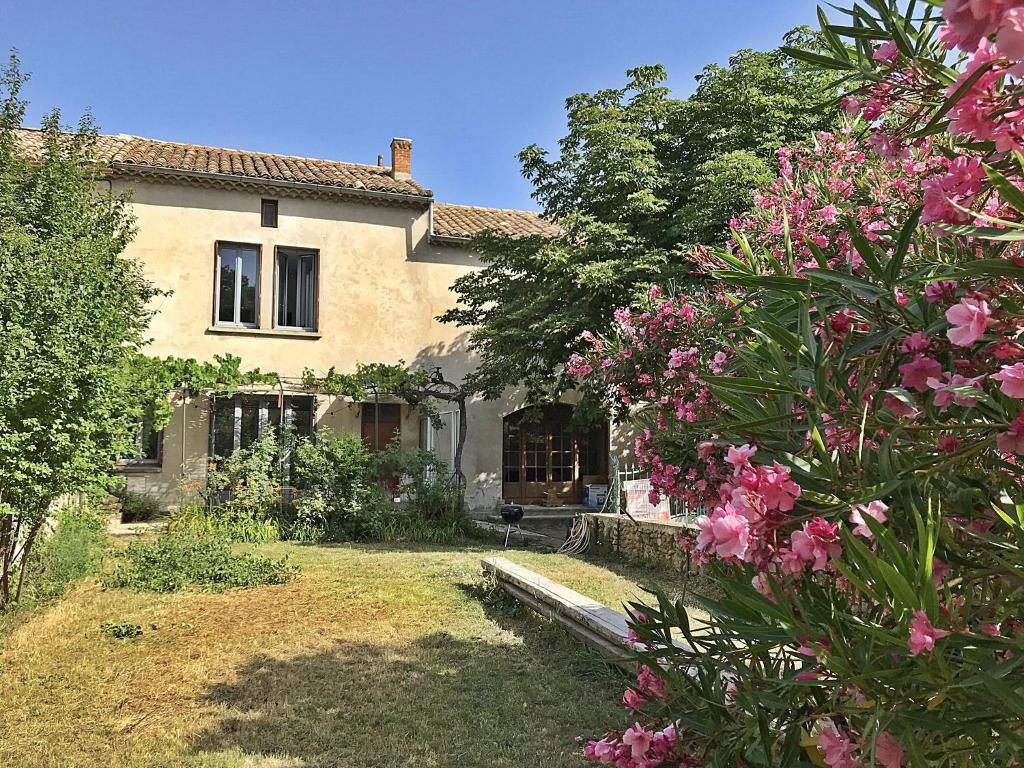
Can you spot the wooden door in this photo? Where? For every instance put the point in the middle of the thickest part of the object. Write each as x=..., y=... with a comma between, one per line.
x=547, y=460
x=381, y=423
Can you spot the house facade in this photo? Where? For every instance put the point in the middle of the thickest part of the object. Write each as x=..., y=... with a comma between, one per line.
x=294, y=263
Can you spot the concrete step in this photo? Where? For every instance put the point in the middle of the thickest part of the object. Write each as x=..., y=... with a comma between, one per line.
x=599, y=626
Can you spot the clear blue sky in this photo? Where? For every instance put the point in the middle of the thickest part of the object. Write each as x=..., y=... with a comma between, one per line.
x=470, y=82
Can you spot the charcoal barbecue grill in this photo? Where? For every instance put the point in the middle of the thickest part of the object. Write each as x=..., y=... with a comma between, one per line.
x=511, y=514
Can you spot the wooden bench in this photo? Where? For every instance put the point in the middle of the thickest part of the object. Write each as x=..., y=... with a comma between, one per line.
x=597, y=625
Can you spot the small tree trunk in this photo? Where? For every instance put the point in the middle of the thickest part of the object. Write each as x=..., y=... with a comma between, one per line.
x=25, y=551
x=457, y=461
x=8, y=543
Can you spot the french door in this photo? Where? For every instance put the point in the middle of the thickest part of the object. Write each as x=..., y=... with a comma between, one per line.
x=546, y=460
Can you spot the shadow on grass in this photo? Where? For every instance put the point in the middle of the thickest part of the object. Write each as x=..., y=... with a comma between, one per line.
x=437, y=701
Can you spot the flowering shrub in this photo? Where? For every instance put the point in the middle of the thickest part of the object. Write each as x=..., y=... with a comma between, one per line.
x=845, y=403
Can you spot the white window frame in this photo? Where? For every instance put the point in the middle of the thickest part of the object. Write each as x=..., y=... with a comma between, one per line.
x=139, y=460
x=314, y=254
x=429, y=433
x=237, y=314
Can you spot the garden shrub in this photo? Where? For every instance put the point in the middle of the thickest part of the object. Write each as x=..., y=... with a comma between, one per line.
x=422, y=481
x=138, y=508
x=176, y=561
x=193, y=518
x=243, y=494
x=845, y=397
x=341, y=493
x=71, y=552
x=335, y=500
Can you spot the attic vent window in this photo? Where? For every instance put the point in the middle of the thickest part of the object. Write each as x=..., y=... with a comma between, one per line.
x=269, y=213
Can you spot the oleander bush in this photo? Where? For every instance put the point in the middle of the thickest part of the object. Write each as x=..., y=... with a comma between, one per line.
x=843, y=393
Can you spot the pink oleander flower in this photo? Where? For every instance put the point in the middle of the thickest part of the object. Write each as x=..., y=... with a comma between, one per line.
x=739, y=456
x=948, y=443
x=964, y=178
x=1007, y=350
x=650, y=684
x=815, y=542
x=969, y=319
x=777, y=489
x=886, y=53
x=1010, y=40
x=888, y=752
x=923, y=634
x=850, y=105
x=918, y=341
x=968, y=21
x=602, y=751
x=888, y=147
x=875, y=509
x=726, y=531
x=836, y=748
x=1012, y=440
x=828, y=214
x=1012, y=380
x=718, y=362
x=917, y=372
x=840, y=324
x=940, y=290
x=900, y=408
x=638, y=739
x=945, y=394
x=633, y=700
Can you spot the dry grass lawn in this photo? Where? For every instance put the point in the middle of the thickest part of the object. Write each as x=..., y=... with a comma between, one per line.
x=371, y=657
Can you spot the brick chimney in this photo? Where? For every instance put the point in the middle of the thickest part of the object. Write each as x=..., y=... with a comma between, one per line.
x=401, y=158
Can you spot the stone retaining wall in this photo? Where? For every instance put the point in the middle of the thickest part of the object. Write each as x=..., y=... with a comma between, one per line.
x=645, y=540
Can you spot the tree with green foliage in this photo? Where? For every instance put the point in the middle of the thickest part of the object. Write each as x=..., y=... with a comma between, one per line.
x=72, y=316
x=640, y=178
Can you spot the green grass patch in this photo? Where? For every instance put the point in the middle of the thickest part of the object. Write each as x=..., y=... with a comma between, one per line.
x=177, y=561
x=373, y=655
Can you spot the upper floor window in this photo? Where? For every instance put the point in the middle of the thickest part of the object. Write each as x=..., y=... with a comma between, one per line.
x=238, y=284
x=268, y=213
x=296, y=288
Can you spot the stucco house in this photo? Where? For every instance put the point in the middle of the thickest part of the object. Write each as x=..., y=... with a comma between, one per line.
x=293, y=263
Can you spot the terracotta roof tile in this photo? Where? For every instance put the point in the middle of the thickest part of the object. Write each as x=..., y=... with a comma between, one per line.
x=136, y=152
x=465, y=221
x=453, y=221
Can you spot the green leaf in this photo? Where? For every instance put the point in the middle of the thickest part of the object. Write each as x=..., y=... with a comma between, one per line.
x=990, y=268
x=858, y=285
x=744, y=384
x=899, y=254
x=817, y=59
x=1007, y=191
